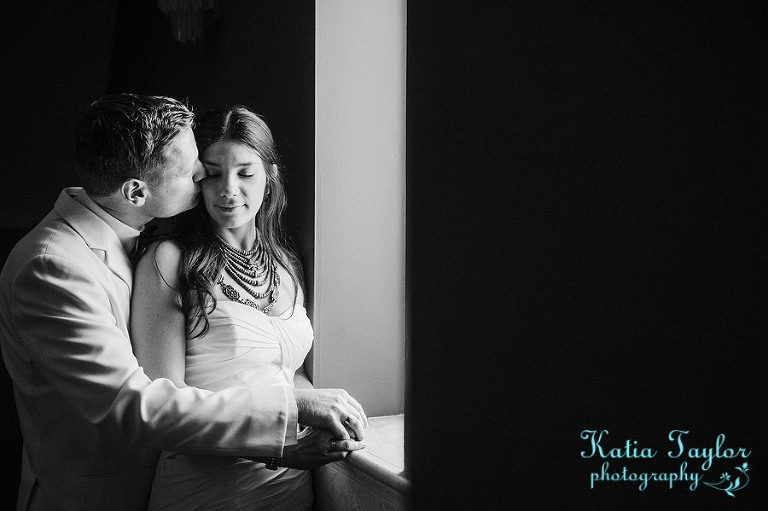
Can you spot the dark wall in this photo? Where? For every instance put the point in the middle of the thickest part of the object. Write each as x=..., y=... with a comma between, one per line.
x=586, y=190
x=10, y=459
x=55, y=61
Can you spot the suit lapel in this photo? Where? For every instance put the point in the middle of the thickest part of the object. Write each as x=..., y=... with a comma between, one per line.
x=101, y=239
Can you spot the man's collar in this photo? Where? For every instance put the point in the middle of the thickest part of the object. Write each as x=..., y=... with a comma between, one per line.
x=125, y=233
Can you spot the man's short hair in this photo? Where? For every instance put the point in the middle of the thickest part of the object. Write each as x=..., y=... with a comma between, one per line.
x=124, y=136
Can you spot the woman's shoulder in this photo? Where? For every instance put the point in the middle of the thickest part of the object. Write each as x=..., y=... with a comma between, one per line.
x=162, y=257
x=166, y=248
x=163, y=251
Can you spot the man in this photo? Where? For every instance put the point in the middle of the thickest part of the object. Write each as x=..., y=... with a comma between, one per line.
x=90, y=418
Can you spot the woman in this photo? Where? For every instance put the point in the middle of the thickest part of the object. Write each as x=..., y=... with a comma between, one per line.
x=226, y=289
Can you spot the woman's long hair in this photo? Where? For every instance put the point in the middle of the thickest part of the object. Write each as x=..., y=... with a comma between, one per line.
x=202, y=260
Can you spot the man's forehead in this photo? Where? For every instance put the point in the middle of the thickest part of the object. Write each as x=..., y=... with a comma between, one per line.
x=181, y=148
x=183, y=141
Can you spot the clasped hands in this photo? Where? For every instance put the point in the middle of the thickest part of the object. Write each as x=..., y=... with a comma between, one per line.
x=334, y=426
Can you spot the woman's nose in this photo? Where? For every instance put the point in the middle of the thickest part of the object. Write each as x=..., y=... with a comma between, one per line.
x=229, y=188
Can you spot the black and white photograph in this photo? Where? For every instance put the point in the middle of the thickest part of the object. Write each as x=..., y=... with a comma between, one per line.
x=381, y=255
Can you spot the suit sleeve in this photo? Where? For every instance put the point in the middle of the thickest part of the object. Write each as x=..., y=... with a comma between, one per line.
x=64, y=314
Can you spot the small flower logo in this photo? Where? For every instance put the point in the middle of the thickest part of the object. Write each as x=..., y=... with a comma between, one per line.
x=725, y=484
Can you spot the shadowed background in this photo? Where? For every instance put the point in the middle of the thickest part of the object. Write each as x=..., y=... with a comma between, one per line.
x=585, y=211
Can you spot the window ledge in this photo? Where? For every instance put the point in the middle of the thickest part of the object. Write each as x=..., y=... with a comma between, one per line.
x=384, y=457
x=372, y=478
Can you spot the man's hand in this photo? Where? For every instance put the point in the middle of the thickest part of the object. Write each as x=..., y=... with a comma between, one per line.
x=332, y=409
x=315, y=448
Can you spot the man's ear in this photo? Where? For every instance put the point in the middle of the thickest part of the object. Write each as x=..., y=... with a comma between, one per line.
x=135, y=191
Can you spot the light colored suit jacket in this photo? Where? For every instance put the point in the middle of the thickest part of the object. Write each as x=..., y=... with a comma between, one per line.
x=90, y=418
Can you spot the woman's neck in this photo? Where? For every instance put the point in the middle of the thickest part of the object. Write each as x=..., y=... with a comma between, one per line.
x=242, y=238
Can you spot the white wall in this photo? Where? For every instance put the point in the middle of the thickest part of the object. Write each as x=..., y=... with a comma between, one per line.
x=359, y=278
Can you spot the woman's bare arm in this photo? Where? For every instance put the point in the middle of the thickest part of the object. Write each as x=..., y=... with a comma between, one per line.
x=158, y=324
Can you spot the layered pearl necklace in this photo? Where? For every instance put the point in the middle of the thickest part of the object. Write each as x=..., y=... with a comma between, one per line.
x=251, y=269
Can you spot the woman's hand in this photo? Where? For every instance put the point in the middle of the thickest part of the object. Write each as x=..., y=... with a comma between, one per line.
x=332, y=409
x=315, y=448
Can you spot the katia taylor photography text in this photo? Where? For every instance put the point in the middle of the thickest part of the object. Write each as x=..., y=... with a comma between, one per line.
x=696, y=456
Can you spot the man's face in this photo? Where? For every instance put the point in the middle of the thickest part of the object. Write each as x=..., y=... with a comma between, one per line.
x=178, y=187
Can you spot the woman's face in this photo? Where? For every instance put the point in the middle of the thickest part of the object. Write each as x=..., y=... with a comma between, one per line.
x=233, y=188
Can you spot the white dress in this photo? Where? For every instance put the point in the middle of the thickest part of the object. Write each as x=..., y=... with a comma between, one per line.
x=243, y=348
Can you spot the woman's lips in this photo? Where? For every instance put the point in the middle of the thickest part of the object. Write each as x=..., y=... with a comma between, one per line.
x=230, y=208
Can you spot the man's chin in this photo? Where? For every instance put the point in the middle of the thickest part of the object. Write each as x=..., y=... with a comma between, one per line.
x=194, y=202
x=181, y=209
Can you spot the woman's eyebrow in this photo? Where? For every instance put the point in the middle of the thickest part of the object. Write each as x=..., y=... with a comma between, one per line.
x=214, y=164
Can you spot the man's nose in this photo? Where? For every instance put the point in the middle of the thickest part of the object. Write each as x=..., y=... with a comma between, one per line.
x=199, y=172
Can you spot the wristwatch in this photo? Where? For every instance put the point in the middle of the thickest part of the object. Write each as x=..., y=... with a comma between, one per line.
x=271, y=464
